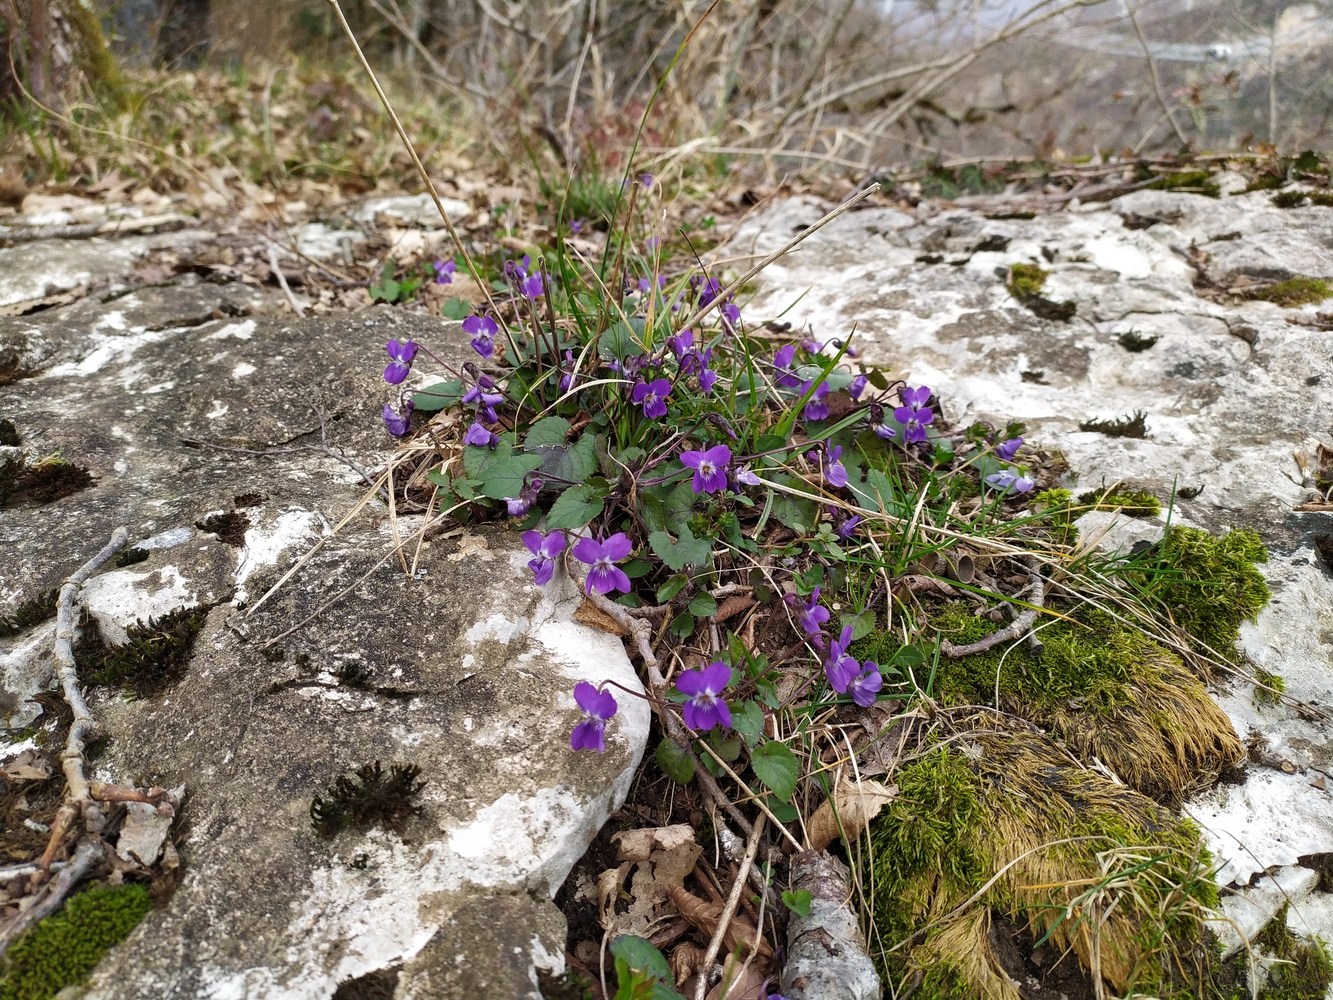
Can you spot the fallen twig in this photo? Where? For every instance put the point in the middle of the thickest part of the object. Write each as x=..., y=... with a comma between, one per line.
x=729, y=908
x=1021, y=624
x=112, y=227
x=826, y=953
x=276, y=268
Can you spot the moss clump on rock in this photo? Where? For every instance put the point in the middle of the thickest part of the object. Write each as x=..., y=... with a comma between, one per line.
x=1135, y=503
x=1209, y=584
x=1295, y=292
x=997, y=824
x=1106, y=689
x=1027, y=280
x=153, y=656
x=1298, y=968
x=63, y=949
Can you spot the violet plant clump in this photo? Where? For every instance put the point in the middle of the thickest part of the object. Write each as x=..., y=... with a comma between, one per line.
x=626, y=420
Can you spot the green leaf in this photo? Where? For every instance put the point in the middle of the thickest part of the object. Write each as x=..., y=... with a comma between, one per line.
x=747, y=719
x=622, y=340
x=862, y=623
x=438, y=396
x=784, y=812
x=679, y=553
x=640, y=955
x=667, y=508
x=777, y=767
x=569, y=463
x=676, y=761
x=798, y=901
x=547, y=431
x=499, y=470
x=575, y=507
x=636, y=568
x=683, y=626
x=439, y=479
x=798, y=514
x=703, y=605
x=877, y=493
x=671, y=588
x=908, y=657
x=456, y=309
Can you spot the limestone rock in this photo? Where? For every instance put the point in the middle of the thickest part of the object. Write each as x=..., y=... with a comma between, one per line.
x=464, y=669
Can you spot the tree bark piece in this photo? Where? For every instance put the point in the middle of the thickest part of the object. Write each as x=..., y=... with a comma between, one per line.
x=826, y=952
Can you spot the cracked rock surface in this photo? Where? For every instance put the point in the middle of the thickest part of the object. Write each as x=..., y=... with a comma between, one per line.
x=201, y=420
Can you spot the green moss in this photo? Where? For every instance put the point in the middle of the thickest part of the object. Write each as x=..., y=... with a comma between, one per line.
x=367, y=798
x=1195, y=181
x=1056, y=507
x=1269, y=687
x=63, y=949
x=153, y=656
x=926, y=832
x=1135, y=503
x=1133, y=426
x=1295, y=199
x=1079, y=860
x=1026, y=281
x=1304, y=969
x=1208, y=584
x=31, y=612
x=1295, y=292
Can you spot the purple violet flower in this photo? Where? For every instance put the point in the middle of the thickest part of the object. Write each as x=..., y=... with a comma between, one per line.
x=813, y=615
x=652, y=397
x=444, y=272
x=707, y=379
x=401, y=353
x=710, y=468
x=745, y=476
x=576, y=227
x=597, y=707
x=817, y=407
x=914, y=422
x=866, y=684
x=706, y=709
x=646, y=179
x=397, y=422
x=846, y=529
x=479, y=437
x=835, y=473
x=486, y=400
x=567, y=372
x=782, y=359
x=1010, y=480
x=604, y=576
x=482, y=329
x=681, y=345
x=857, y=386
x=731, y=316
x=915, y=398
x=1006, y=450
x=545, y=548
x=840, y=668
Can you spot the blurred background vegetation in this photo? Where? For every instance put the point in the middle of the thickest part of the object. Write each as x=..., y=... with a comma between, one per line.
x=765, y=89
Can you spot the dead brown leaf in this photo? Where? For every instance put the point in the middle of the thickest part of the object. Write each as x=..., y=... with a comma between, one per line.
x=592, y=616
x=739, y=933
x=639, y=845
x=850, y=809
x=27, y=766
x=739, y=980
